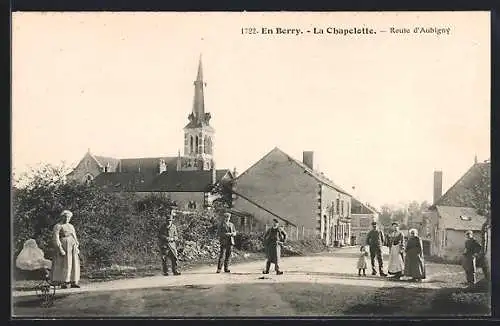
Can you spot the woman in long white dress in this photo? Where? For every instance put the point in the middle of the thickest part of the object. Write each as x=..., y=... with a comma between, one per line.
x=395, y=242
x=66, y=264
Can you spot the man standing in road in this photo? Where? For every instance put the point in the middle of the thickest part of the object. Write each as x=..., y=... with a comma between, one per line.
x=168, y=249
x=375, y=240
x=226, y=233
x=273, y=240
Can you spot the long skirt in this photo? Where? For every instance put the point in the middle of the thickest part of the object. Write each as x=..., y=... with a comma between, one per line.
x=66, y=268
x=273, y=252
x=396, y=262
x=414, y=265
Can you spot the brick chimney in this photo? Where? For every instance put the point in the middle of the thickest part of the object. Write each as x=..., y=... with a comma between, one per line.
x=307, y=159
x=438, y=185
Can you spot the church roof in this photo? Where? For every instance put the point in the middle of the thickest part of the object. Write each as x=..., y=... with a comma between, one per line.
x=148, y=165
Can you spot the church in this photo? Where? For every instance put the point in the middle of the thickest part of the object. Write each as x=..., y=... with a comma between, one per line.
x=184, y=179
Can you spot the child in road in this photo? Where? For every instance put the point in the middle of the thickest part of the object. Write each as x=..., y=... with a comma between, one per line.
x=362, y=261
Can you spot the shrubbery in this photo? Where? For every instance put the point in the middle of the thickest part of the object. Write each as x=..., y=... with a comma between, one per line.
x=117, y=228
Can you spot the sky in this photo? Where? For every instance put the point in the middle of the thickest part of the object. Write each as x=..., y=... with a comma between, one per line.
x=381, y=112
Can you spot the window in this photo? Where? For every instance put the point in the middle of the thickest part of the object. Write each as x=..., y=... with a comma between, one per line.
x=337, y=206
x=465, y=218
x=342, y=208
x=242, y=221
x=191, y=145
x=88, y=179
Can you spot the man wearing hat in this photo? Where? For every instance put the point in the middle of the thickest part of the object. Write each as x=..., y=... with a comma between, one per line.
x=226, y=233
x=168, y=249
x=471, y=252
x=375, y=240
x=273, y=240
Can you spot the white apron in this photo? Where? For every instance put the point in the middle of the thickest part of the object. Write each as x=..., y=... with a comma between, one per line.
x=396, y=262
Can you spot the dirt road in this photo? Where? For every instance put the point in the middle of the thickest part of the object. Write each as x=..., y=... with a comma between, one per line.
x=324, y=284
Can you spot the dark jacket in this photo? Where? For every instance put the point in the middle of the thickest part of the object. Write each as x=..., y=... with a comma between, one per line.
x=375, y=239
x=472, y=248
x=226, y=240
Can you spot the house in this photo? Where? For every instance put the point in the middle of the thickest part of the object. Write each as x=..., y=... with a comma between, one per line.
x=279, y=186
x=186, y=179
x=362, y=216
x=457, y=211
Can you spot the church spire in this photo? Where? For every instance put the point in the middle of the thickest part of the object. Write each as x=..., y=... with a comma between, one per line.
x=199, y=98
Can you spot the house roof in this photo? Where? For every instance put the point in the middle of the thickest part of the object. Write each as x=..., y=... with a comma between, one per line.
x=357, y=207
x=460, y=218
x=316, y=175
x=103, y=161
x=188, y=181
x=461, y=194
x=124, y=181
x=170, y=181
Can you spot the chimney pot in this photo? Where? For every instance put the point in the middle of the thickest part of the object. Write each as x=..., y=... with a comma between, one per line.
x=438, y=185
x=308, y=159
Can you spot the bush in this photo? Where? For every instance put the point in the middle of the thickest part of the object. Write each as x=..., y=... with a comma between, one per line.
x=120, y=228
x=252, y=242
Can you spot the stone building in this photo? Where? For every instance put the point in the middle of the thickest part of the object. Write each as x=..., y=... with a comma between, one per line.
x=362, y=217
x=280, y=186
x=456, y=212
x=186, y=179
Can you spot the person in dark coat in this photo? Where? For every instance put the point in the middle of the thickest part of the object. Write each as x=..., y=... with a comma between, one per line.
x=375, y=240
x=274, y=238
x=414, y=260
x=226, y=233
x=168, y=248
x=471, y=252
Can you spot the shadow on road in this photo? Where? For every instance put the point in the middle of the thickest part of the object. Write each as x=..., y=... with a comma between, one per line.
x=264, y=299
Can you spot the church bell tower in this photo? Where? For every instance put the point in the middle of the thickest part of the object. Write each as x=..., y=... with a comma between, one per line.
x=198, y=134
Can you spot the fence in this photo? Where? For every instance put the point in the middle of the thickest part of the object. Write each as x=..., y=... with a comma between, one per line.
x=297, y=232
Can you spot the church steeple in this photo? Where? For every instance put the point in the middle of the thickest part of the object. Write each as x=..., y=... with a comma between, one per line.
x=199, y=98
x=198, y=134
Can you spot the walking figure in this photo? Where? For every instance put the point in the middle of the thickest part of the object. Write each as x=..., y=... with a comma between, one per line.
x=375, y=240
x=168, y=248
x=226, y=232
x=274, y=238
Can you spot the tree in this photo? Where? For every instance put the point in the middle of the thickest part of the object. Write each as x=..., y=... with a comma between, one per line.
x=385, y=217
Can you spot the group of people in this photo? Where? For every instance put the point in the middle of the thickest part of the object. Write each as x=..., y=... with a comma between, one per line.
x=405, y=257
x=65, y=268
x=274, y=238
